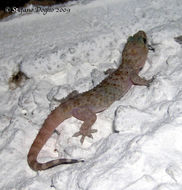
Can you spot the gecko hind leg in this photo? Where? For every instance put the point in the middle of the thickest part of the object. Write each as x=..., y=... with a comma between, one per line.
x=88, y=117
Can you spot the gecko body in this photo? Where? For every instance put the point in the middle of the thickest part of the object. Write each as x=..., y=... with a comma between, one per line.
x=84, y=106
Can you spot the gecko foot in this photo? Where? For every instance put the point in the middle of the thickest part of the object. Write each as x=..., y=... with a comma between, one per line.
x=150, y=81
x=85, y=133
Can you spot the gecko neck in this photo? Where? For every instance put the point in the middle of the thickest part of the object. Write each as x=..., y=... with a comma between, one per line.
x=127, y=68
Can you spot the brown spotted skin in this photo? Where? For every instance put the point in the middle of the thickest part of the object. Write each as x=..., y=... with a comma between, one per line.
x=85, y=106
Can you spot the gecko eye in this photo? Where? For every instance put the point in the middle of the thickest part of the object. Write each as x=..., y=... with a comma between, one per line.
x=145, y=40
x=140, y=68
x=130, y=39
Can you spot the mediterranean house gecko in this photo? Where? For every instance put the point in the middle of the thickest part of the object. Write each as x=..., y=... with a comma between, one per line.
x=84, y=106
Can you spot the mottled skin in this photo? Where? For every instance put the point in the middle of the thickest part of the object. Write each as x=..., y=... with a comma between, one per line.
x=84, y=106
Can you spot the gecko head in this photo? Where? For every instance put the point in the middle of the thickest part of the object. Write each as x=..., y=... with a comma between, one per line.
x=140, y=38
x=136, y=50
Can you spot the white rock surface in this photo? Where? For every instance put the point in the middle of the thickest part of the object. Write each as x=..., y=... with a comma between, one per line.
x=62, y=52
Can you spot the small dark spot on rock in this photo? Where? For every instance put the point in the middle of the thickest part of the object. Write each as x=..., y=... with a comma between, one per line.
x=17, y=79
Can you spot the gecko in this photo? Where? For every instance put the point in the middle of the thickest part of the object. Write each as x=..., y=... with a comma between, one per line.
x=84, y=106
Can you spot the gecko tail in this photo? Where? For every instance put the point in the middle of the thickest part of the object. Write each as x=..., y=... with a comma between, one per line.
x=55, y=118
x=36, y=166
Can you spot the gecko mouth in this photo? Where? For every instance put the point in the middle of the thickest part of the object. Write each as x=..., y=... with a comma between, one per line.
x=151, y=48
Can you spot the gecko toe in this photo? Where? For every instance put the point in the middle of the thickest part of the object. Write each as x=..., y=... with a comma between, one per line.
x=82, y=139
x=90, y=136
x=93, y=131
x=76, y=134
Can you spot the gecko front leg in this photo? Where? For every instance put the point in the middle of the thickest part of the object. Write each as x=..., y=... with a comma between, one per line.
x=84, y=113
x=137, y=80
